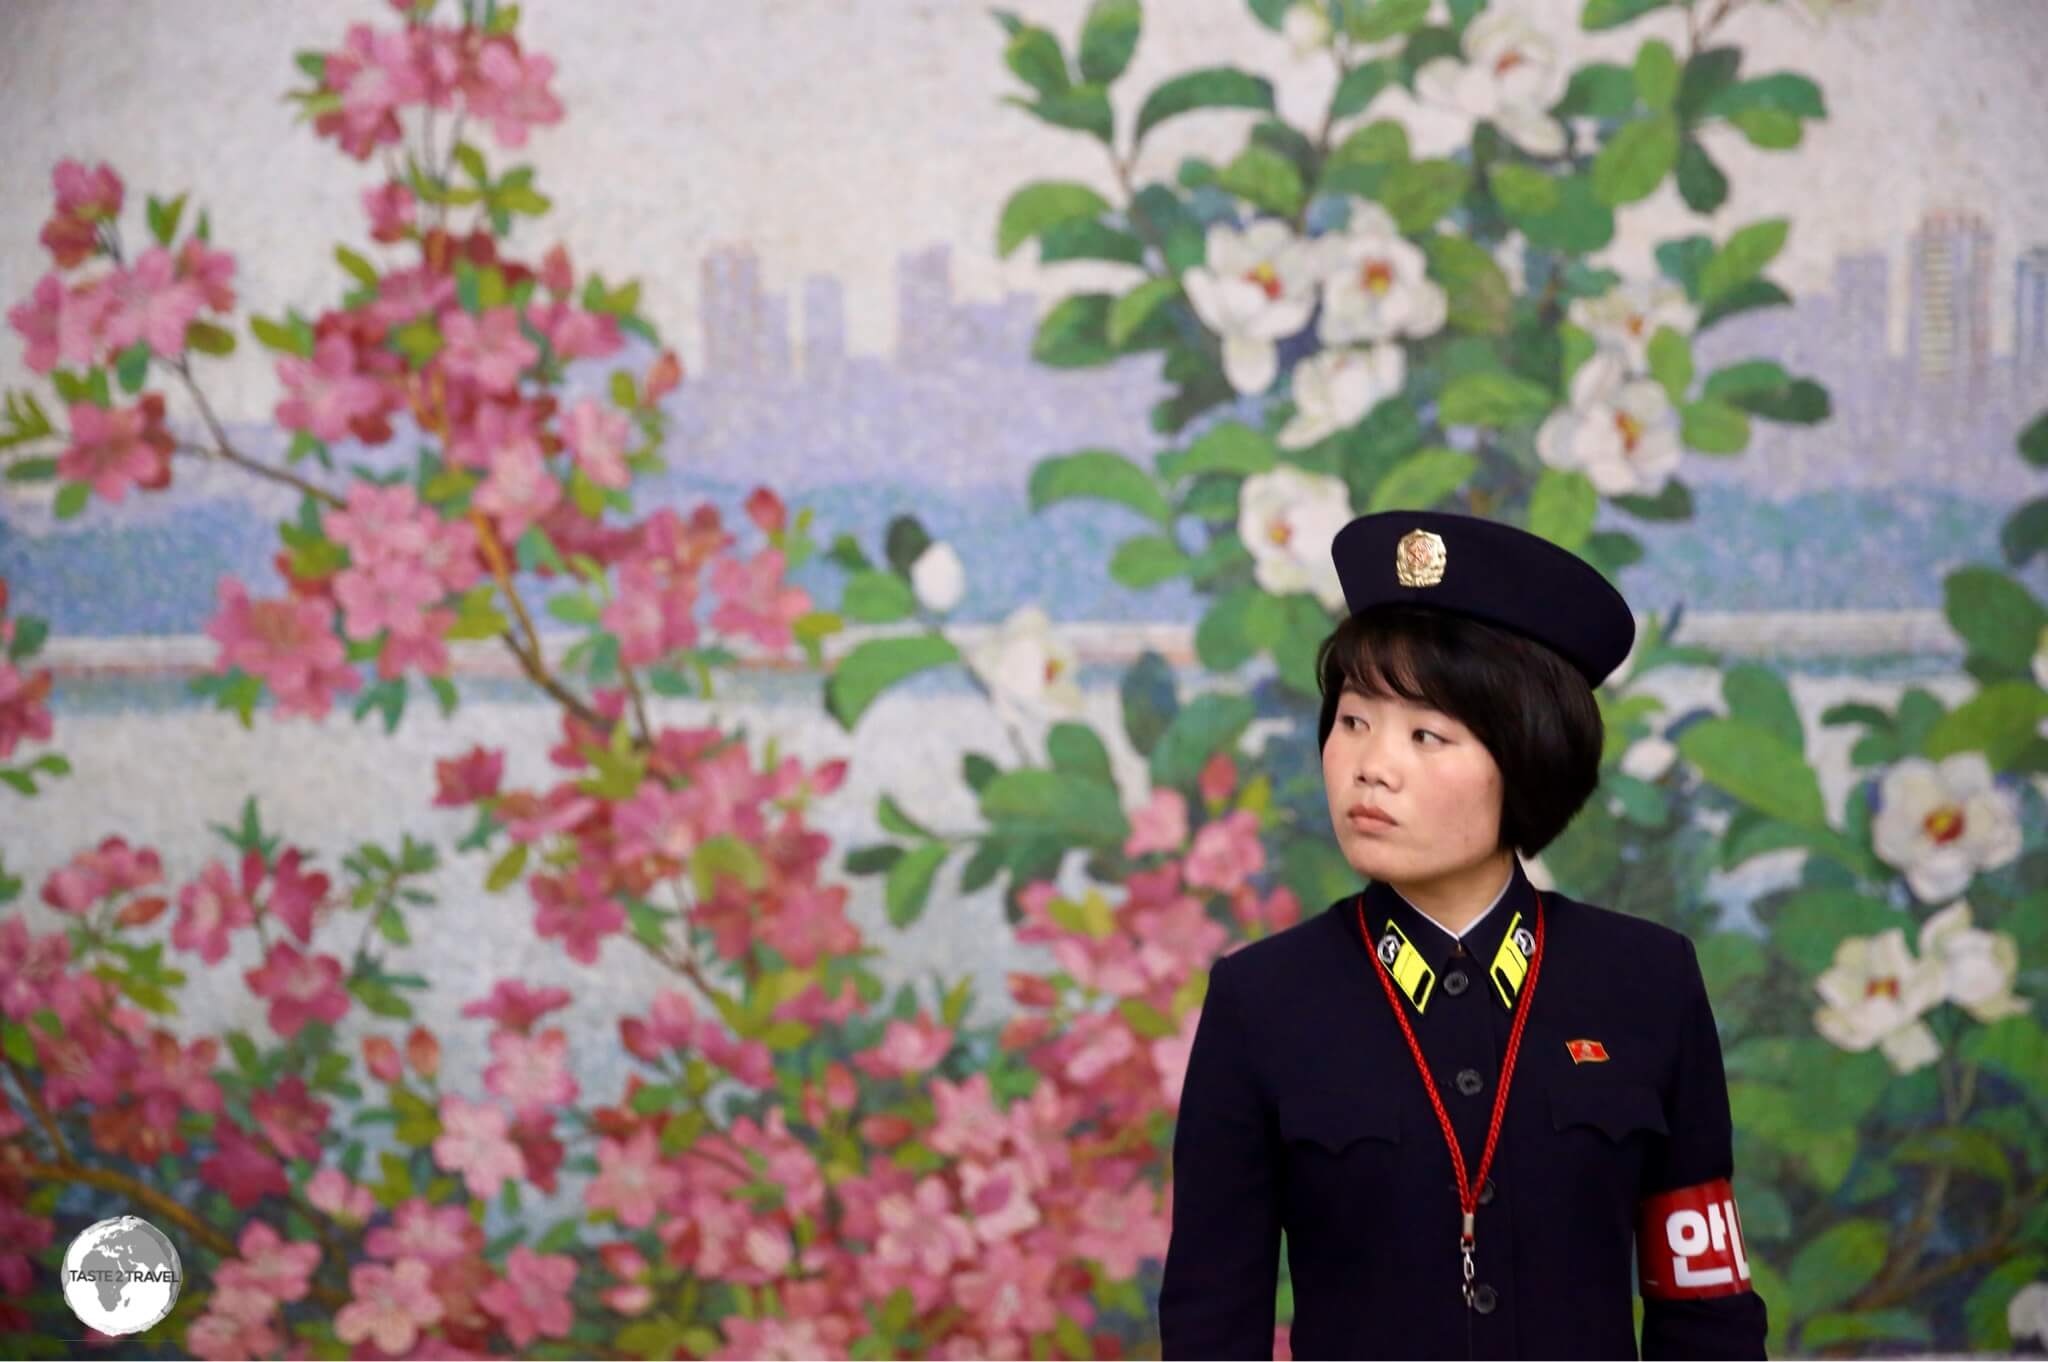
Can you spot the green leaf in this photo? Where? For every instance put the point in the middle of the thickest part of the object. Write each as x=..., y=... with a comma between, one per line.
x=209, y=339
x=2033, y=441
x=1636, y=159
x=1960, y=1148
x=1382, y=142
x=132, y=367
x=1563, y=507
x=1217, y=87
x=1076, y=748
x=1421, y=480
x=1491, y=397
x=71, y=499
x=877, y=597
x=1150, y=1023
x=1417, y=193
x=1360, y=86
x=163, y=219
x=1035, y=56
x=1714, y=427
x=1759, y=696
x=508, y=868
x=1148, y=701
x=18, y=1044
x=2025, y=533
x=1838, y=1263
x=1783, y=92
x=419, y=340
x=1227, y=447
x=1265, y=179
x=1237, y=626
x=2017, y=1047
x=1987, y=1310
x=1600, y=14
x=1670, y=357
x=1474, y=284
x=1037, y=207
x=909, y=882
x=1073, y=808
x=1769, y=129
x=1074, y=334
x=1863, y=1326
x=1743, y=257
x=1134, y=309
x=1599, y=90
x=362, y=270
x=1996, y=616
x=1103, y=475
x=1700, y=182
x=1706, y=75
x=1202, y=727
x=1146, y=560
x=1756, y=767
x=1656, y=74
x=1109, y=35
x=1581, y=223
x=2000, y=721
x=875, y=665
x=1080, y=239
x=1523, y=191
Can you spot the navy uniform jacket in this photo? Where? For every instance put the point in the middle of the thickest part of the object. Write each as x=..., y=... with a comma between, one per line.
x=1302, y=1111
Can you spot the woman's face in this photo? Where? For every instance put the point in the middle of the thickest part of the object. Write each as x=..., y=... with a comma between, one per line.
x=1423, y=769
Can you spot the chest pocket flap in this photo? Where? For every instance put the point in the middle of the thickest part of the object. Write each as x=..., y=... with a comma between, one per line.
x=1337, y=1121
x=1615, y=1110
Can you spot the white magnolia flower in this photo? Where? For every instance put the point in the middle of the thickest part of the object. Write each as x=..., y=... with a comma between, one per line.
x=1376, y=283
x=1306, y=26
x=1628, y=315
x=1620, y=432
x=1941, y=824
x=1875, y=994
x=1027, y=666
x=1510, y=77
x=2041, y=659
x=1288, y=519
x=1336, y=388
x=1976, y=966
x=2026, y=1314
x=1648, y=758
x=938, y=578
x=1256, y=286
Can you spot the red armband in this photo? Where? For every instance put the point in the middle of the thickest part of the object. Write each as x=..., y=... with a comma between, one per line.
x=1689, y=1244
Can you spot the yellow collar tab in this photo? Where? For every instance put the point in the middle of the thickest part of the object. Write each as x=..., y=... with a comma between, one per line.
x=1411, y=972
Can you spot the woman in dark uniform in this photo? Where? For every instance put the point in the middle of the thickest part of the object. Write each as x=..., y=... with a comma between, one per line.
x=1485, y=1117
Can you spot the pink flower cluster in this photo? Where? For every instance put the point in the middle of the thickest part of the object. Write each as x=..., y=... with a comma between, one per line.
x=374, y=76
x=241, y=1313
x=24, y=695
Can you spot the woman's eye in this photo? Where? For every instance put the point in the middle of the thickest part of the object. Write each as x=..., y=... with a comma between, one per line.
x=1425, y=733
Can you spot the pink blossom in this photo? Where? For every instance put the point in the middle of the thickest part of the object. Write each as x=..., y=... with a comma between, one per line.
x=519, y=490
x=286, y=643
x=241, y=1168
x=1109, y=965
x=118, y=449
x=808, y=923
x=391, y=208
x=531, y=1072
x=576, y=908
x=290, y=1118
x=632, y=1181
x=30, y=967
x=327, y=393
x=756, y=603
x=468, y=779
x=301, y=988
x=295, y=896
x=574, y=333
x=766, y=510
x=909, y=1047
x=208, y=271
x=669, y=1025
x=380, y=524
x=376, y=75
x=433, y=1234
x=1096, y=1044
x=1009, y=1290
x=24, y=707
x=101, y=872
x=210, y=908
x=511, y=92
x=473, y=1143
x=488, y=350
x=597, y=433
x=532, y=1299
x=1170, y=1057
x=148, y=302
x=652, y=615
x=656, y=821
x=61, y=325
x=1119, y=1229
x=405, y=294
x=516, y=1007
x=391, y=594
x=967, y=1120
x=330, y=1190
x=922, y=1230
x=998, y=1196
x=390, y=1306
x=381, y=1058
x=221, y=1336
x=280, y=1269
x=1175, y=939
x=1161, y=825
x=84, y=199
x=1226, y=852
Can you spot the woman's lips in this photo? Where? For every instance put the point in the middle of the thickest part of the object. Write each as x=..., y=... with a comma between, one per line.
x=1370, y=822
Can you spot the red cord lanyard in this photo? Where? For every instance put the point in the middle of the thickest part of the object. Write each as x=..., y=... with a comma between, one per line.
x=1468, y=1188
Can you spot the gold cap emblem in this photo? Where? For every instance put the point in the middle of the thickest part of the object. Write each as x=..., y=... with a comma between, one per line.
x=1419, y=559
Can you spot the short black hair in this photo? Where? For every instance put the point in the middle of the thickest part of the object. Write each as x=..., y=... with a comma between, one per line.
x=1532, y=709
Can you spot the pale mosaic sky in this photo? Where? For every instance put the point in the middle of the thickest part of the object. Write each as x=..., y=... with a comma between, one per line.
x=834, y=135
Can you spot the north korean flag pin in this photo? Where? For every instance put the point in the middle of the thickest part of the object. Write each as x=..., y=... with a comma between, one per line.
x=1587, y=1051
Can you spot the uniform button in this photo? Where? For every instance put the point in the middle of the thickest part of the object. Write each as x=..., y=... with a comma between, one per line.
x=1484, y=1298
x=1456, y=982
x=1486, y=1193
x=1469, y=1082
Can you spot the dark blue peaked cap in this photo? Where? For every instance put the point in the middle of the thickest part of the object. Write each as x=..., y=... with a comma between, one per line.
x=1488, y=571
